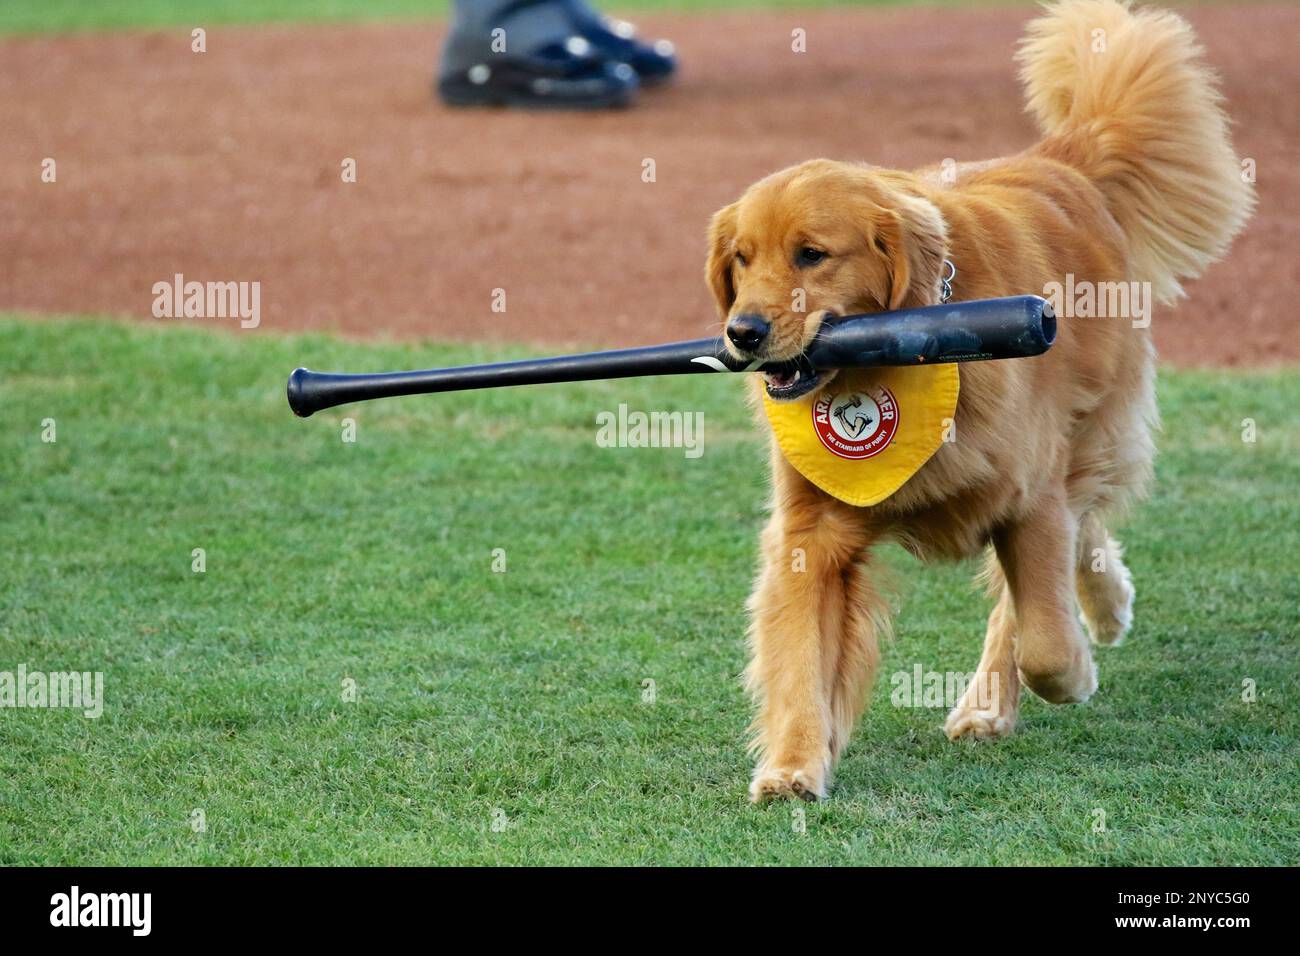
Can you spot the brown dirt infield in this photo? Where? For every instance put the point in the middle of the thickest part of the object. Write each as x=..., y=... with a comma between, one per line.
x=225, y=166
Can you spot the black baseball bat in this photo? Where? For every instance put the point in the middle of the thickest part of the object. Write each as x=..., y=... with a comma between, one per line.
x=1015, y=327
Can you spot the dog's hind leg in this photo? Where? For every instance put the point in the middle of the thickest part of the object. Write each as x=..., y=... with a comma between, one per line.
x=1104, y=584
x=990, y=705
x=1038, y=556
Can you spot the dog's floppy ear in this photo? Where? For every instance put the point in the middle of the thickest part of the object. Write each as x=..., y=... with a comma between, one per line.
x=913, y=237
x=717, y=269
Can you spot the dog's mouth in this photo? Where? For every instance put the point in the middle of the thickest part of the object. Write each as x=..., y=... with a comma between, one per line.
x=794, y=378
x=786, y=381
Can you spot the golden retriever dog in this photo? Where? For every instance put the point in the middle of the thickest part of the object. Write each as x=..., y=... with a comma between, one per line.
x=1133, y=180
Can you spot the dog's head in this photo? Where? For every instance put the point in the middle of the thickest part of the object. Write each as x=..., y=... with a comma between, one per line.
x=812, y=242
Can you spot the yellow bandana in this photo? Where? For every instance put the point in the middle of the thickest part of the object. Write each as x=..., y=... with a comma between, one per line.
x=861, y=437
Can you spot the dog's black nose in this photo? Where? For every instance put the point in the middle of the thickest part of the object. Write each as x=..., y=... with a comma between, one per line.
x=747, y=332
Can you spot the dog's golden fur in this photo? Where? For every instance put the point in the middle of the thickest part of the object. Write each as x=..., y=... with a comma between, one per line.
x=1134, y=179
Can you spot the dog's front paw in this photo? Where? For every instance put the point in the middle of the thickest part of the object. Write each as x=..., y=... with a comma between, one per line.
x=779, y=783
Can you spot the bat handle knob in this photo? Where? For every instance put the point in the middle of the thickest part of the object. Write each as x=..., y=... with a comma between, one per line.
x=296, y=391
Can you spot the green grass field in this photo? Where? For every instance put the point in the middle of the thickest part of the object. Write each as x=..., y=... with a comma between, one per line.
x=518, y=696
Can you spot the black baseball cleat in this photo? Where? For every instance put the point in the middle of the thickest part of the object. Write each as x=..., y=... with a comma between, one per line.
x=527, y=54
x=540, y=81
x=616, y=39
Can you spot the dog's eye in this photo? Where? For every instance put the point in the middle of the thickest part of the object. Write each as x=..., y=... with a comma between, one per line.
x=808, y=256
x=740, y=260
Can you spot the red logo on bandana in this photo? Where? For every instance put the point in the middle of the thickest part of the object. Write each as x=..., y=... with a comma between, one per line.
x=856, y=425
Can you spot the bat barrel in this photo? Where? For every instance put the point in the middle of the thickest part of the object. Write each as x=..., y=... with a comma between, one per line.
x=1019, y=326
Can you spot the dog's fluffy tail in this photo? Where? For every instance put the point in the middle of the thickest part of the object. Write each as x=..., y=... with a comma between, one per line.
x=1124, y=97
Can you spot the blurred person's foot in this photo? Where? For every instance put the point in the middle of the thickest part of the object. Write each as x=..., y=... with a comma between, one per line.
x=528, y=53
x=654, y=62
